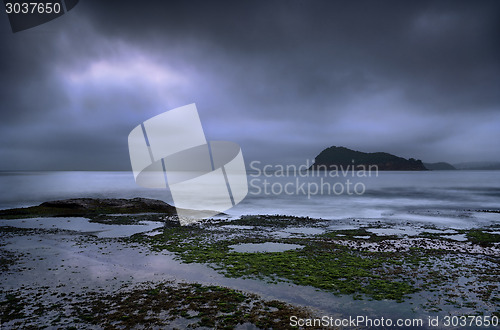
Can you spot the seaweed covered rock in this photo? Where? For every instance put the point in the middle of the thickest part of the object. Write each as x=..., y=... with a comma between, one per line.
x=91, y=207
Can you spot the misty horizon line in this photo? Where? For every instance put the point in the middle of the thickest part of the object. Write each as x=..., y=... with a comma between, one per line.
x=247, y=165
x=310, y=161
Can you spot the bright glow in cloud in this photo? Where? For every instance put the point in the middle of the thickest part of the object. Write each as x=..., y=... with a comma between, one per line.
x=126, y=71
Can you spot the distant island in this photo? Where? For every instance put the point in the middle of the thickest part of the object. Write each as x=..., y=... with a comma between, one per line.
x=488, y=166
x=341, y=157
x=441, y=166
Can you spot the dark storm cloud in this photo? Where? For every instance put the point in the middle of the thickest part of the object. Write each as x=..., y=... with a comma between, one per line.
x=282, y=78
x=424, y=47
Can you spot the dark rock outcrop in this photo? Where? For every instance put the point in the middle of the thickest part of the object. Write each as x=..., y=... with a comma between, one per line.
x=89, y=207
x=344, y=158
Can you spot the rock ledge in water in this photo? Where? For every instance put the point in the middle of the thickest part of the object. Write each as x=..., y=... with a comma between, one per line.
x=90, y=207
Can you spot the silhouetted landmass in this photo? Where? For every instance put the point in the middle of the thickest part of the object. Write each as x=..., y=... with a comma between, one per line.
x=341, y=157
x=478, y=166
x=441, y=166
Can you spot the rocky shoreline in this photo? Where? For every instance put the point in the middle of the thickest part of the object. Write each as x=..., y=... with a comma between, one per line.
x=64, y=278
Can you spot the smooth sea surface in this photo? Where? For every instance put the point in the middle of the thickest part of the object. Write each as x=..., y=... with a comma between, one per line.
x=438, y=197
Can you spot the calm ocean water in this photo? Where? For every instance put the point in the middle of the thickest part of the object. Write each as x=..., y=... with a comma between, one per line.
x=433, y=196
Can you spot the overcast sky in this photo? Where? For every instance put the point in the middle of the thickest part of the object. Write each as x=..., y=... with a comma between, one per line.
x=284, y=79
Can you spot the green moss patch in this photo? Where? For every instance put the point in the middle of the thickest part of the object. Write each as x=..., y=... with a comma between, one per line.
x=270, y=221
x=186, y=305
x=323, y=265
x=151, y=305
x=354, y=234
x=482, y=237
